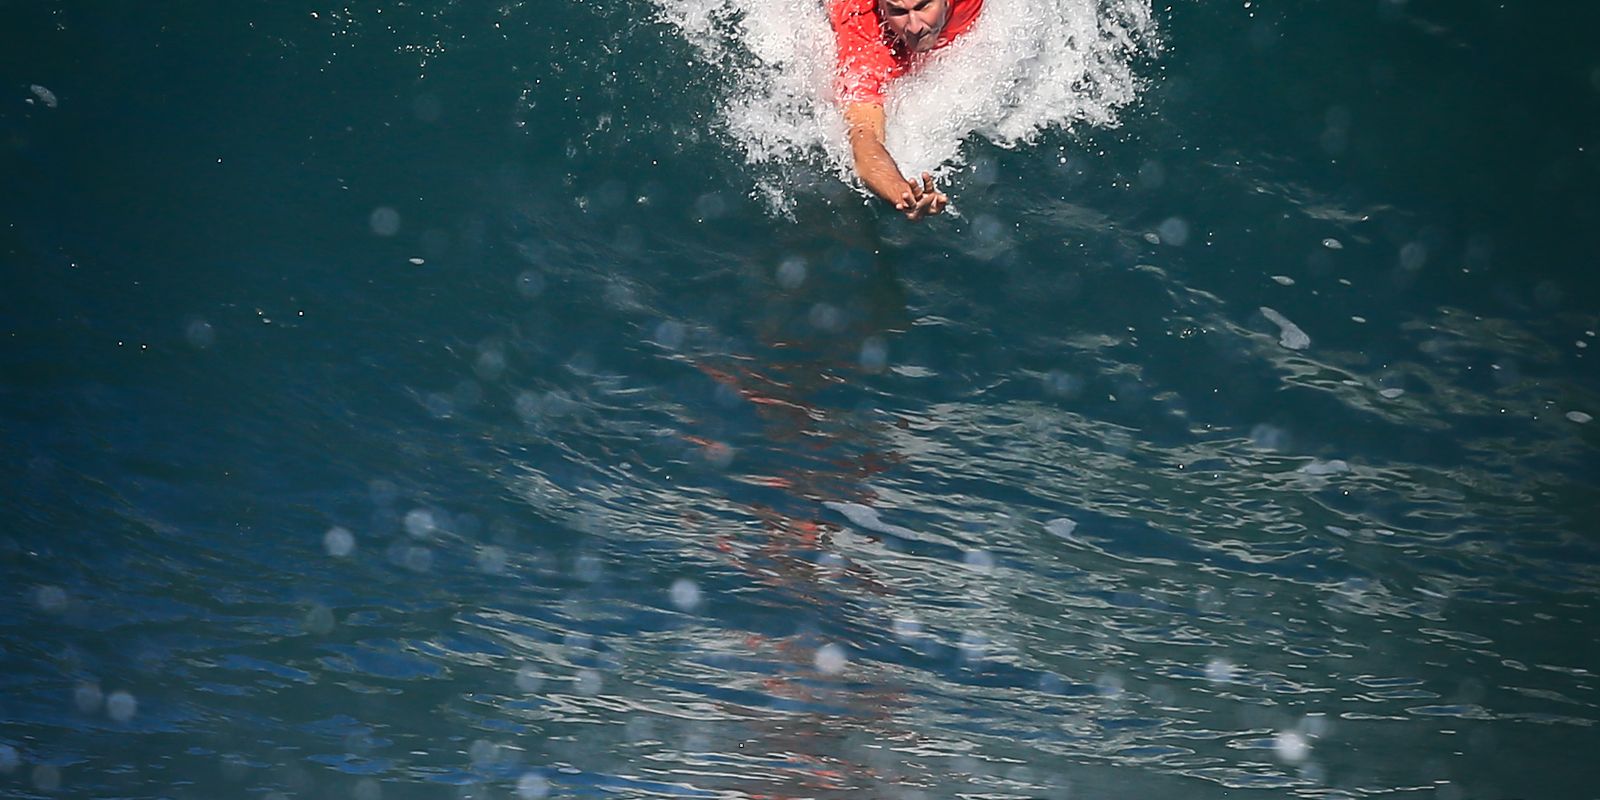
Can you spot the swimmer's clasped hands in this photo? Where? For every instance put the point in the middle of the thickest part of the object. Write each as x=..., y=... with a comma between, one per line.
x=921, y=199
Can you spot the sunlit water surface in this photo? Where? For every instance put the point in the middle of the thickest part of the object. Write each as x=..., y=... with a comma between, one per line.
x=456, y=399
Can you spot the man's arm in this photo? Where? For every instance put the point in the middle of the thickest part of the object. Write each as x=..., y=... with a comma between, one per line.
x=877, y=169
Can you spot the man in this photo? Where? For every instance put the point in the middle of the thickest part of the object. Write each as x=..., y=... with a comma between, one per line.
x=877, y=41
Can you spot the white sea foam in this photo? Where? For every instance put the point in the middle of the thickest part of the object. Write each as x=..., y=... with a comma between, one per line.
x=1026, y=66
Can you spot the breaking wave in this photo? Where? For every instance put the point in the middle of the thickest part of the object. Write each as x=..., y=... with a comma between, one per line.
x=1025, y=67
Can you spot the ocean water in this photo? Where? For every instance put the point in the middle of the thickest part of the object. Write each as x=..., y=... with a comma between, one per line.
x=458, y=399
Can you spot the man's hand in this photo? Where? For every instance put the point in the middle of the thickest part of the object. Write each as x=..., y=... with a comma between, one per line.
x=915, y=199
x=920, y=199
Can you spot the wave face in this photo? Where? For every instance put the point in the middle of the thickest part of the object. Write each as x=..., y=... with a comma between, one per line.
x=1023, y=68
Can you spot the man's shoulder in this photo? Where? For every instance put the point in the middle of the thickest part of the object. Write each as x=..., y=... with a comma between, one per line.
x=845, y=12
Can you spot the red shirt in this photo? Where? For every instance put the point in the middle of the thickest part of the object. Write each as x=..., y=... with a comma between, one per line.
x=869, y=57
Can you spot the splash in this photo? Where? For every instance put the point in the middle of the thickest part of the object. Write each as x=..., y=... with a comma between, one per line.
x=1025, y=67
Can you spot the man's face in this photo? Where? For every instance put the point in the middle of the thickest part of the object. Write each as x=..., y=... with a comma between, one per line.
x=916, y=24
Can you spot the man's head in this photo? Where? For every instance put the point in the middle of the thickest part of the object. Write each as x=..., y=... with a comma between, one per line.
x=915, y=24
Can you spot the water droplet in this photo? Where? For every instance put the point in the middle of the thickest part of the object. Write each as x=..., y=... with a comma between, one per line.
x=717, y=455
x=974, y=646
x=367, y=789
x=587, y=567
x=1391, y=393
x=318, y=620
x=685, y=595
x=531, y=283
x=1548, y=294
x=979, y=560
x=1152, y=175
x=906, y=629
x=874, y=354
x=1269, y=437
x=669, y=334
x=1173, y=231
x=830, y=659
x=1579, y=417
x=384, y=221
x=1108, y=685
x=589, y=682
x=792, y=272
x=1283, y=280
x=420, y=523
x=87, y=698
x=710, y=206
x=528, y=678
x=988, y=230
x=121, y=706
x=339, y=542
x=51, y=599
x=825, y=317
x=492, y=560
x=532, y=786
x=1221, y=670
x=426, y=107
x=1413, y=256
x=200, y=334
x=483, y=753
x=416, y=558
x=1314, y=726
x=1062, y=384
x=1291, y=747
x=47, y=777
x=491, y=364
x=1332, y=243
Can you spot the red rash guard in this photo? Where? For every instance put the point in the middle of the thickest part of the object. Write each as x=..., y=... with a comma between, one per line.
x=868, y=57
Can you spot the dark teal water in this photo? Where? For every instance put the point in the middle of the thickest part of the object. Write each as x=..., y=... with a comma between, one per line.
x=426, y=399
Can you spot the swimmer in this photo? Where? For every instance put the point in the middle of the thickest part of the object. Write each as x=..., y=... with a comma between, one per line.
x=878, y=40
